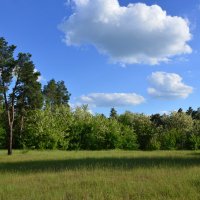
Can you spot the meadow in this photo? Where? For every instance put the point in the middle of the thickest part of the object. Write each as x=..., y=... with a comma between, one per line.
x=98, y=175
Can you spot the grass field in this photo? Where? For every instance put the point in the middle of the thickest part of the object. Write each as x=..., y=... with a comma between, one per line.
x=56, y=175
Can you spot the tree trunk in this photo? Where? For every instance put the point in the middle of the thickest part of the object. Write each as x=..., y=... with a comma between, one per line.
x=10, y=133
x=10, y=139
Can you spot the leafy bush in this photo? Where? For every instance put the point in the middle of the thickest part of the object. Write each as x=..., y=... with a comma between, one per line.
x=169, y=139
x=98, y=132
x=194, y=141
x=45, y=129
x=194, y=137
x=154, y=143
x=129, y=138
x=142, y=126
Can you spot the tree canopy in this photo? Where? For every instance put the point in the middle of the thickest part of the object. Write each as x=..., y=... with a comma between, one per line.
x=56, y=93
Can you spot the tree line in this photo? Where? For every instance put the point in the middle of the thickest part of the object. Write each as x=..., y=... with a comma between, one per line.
x=36, y=117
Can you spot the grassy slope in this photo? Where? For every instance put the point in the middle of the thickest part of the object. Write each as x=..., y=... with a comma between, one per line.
x=100, y=175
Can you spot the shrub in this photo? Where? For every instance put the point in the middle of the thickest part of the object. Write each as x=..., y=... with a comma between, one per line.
x=128, y=138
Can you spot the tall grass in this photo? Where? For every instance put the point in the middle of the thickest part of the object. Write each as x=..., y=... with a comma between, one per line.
x=98, y=175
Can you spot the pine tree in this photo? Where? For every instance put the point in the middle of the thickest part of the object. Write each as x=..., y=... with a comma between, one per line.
x=113, y=113
x=56, y=93
x=28, y=93
x=18, y=86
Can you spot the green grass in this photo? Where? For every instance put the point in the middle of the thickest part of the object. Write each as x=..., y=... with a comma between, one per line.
x=98, y=175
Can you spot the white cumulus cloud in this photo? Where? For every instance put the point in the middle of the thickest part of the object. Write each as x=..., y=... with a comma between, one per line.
x=168, y=86
x=111, y=99
x=137, y=33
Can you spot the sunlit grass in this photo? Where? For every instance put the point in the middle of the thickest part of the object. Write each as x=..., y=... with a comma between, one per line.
x=100, y=175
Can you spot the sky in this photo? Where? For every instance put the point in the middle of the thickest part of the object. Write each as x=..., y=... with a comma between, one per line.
x=142, y=56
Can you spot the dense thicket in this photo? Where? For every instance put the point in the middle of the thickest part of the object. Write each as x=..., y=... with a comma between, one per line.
x=36, y=118
x=78, y=129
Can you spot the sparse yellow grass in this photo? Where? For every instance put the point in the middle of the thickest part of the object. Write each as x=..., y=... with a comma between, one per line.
x=98, y=175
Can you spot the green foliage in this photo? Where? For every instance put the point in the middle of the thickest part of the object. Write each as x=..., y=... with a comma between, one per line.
x=56, y=93
x=93, y=132
x=154, y=143
x=169, y=139
x=194, y=141
x=194, y=137
x=129, y=138
x=7, y=64
x=113, y=113
x=2, y=137
x=104, y=133
x=180, y=125
x=157, y=120
x=142, y=126
x=46, y=129
x=179, y=121
x=19, y=89
x=79, y=129
x=28, y=90
x=64, y=129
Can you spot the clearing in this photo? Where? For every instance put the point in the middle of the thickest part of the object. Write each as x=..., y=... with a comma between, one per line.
x=98, y=175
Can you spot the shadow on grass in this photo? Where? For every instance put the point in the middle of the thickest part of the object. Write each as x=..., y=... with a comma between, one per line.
x=99, y=163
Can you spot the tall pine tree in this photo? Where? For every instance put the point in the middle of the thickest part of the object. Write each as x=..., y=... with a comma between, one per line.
x=56, y=93
x=19, y=87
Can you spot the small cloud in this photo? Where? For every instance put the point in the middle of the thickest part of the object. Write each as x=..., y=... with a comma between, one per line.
x=168, y=86
x=137, y=33
x=41, y=79
x=111, y=99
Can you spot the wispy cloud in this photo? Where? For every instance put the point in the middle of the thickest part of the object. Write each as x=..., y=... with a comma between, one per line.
x=111, y=99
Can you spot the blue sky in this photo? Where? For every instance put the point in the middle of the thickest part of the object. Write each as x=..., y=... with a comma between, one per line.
x=134, y=57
